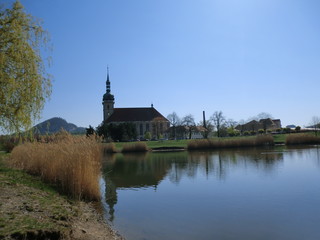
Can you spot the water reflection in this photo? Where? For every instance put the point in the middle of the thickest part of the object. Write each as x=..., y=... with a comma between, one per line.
x=149, y=169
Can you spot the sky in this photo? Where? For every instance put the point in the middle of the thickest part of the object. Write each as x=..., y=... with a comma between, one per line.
x=241, y=57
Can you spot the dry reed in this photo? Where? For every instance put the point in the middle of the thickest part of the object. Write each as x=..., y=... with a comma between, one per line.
x=265, y=140
x=72, y=163
x=109, y=148
x=135, y=147
x=295, y=139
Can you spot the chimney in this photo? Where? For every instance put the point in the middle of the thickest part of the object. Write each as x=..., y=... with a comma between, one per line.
x=204, y=120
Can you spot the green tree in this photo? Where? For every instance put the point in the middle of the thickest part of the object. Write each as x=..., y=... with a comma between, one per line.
x=24, y=83
x=90, y=131
x=117, y=132
x=147, y=135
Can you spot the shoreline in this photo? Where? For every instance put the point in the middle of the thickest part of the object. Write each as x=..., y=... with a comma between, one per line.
x=31, y=209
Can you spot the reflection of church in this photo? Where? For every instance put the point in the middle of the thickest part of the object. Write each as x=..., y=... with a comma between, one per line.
x=148, y=170
x=137, y=172
x=146, y=119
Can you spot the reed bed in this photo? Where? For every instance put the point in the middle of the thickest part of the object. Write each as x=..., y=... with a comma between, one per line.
x=265, y=140
x=295, y=139
x=135, y=147
x=109, y=148
x=72, y=163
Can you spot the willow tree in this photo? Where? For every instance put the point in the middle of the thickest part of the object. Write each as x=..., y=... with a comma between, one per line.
x=24, y=83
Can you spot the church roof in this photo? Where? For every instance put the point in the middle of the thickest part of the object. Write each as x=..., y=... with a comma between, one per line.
x=135, y=114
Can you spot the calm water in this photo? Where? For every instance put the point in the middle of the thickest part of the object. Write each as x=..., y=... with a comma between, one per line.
x=238, y=194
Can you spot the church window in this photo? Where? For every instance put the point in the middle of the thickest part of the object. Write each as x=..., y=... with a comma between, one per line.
x=141, y=129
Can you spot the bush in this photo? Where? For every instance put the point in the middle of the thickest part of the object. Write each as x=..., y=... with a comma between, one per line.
x=246, y=133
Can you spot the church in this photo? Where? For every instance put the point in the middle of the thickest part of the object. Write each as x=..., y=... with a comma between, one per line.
x=145, y=119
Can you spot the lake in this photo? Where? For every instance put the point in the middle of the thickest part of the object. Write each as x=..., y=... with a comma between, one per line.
x=230, y=194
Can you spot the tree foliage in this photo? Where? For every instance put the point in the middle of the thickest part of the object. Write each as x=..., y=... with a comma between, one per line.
x=117, y=132
x=24, y=83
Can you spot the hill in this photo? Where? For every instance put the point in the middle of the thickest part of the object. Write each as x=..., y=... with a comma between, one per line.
x=56, y=124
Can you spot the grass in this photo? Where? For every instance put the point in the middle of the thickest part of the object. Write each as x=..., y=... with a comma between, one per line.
x=24, y=199
x=264, y=140
x=70, y=162
x=157, y=144
x=277, y=139
x=280, y=138
x=297, y=139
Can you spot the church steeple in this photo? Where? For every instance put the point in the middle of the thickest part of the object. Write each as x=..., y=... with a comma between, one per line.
x=108, y=82
x=108, y=100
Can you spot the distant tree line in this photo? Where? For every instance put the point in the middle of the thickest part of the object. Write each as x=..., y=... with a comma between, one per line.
x=115, y=132
x=181, y=128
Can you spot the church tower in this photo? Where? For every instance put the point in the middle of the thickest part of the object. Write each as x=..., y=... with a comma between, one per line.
x=108, y=100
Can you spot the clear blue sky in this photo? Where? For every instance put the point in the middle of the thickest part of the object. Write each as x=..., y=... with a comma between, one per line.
x=242, y=57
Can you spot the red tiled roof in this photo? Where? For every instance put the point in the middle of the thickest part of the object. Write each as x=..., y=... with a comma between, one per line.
x=135, y=114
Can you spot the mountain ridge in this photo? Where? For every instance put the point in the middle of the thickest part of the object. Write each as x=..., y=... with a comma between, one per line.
x=56, y=124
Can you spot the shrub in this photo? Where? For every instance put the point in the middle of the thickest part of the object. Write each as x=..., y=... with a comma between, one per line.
x=246, y=133
x=72, y=163
x=295, y=139
x=109, y=148
x=286, y=130
x=135, y=147
x=261, y=131
x=8, y=143
x=265, y=140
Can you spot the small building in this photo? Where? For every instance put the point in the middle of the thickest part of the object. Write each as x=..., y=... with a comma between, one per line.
x=145, y=119
x=265, y=124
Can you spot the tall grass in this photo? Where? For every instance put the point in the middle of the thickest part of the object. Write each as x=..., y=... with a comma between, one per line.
x=295, y=139
x=265, y=140
x=135, y=147
x=109, y=148
x=72, y=163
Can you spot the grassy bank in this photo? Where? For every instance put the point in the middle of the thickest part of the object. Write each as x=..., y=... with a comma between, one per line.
x=24, y=199
x=31, y=209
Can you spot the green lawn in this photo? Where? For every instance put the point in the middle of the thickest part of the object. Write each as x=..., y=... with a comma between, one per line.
x=183, y=143
x=158, y=144
x=279, y=138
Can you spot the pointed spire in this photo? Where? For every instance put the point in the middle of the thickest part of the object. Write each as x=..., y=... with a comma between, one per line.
x=108, y=81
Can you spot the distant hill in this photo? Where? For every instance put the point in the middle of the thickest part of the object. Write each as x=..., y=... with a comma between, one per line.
x=56, y=124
